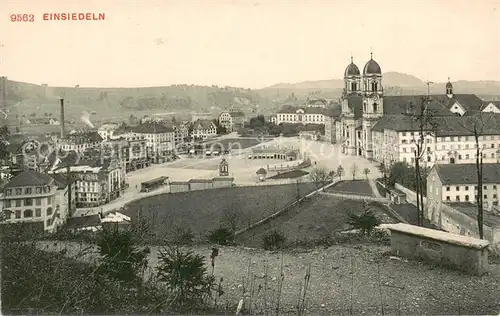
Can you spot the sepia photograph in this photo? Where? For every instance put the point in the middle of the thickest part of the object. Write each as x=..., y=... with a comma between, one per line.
x=234, y=157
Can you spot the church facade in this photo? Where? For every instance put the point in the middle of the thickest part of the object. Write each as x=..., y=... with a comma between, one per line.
x=368, y=117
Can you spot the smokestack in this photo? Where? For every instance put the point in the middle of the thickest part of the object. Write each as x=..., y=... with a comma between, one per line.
x=62, y=118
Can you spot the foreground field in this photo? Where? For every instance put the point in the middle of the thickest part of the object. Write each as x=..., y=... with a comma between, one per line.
x=315, y=219
x=202, y=211
x=350, y=279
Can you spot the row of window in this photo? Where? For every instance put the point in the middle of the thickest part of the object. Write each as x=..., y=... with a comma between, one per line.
x=18, y=214
x=467, y=199
x=28, y=190
x=466, y=188
x=467, y=138
x=27, y=202
x=466, y=146
x=467, y=157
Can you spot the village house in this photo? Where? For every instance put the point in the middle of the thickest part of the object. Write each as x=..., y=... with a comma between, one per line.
x=203, y=129
x=36, y=197
x=106, y=130
x=232, y=120
x=97, y=181
x=80, y=141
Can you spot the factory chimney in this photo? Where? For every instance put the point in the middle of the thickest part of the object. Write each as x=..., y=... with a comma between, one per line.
x=62, y=118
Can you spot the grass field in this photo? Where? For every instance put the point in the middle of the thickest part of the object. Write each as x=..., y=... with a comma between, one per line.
x=356, y=187
x=202, y=211
x=320, y=217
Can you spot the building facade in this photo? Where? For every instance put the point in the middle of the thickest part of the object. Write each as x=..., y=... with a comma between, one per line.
x=383, y=128
x=458, y=183
x=36, y=197
x=204, y=129
x=232, y=120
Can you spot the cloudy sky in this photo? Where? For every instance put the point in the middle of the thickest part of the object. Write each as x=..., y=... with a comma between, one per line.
x=247, y=44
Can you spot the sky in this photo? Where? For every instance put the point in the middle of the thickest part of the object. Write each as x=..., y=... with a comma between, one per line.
x=251, y=44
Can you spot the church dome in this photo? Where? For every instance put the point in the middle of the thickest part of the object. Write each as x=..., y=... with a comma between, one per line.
x=449, y=85
x=372, y=68
x=352, y=70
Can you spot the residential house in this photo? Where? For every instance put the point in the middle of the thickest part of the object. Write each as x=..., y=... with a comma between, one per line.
x=232, y=120
x=204, y=129
x=331, y=115
x=106, y=130
x=36, y=197
x=80, y=141
x=97, y=181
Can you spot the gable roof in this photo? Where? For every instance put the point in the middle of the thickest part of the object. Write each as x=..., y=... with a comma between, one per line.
x=457, y=174
x=204, y=124
x=401, y=104
x=83, y=137
x=83, y=221
x=29, y=178
x=151, y=128
x=287, y=109
x=237, y=114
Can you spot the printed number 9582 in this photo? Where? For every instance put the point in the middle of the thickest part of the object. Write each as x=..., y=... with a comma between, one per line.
x=22, y=18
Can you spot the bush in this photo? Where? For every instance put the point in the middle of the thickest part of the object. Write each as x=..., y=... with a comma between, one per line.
x=183, y=236
x=121, y=259
x=274, y=240
x=49, y=283
x=221, y=236
x=186, y=277
x=365, y=222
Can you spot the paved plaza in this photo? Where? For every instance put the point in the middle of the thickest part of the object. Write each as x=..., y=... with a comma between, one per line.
x=241, y=168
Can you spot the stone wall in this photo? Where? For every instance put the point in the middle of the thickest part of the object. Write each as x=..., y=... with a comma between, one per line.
x=451, y=220
x=471, y=256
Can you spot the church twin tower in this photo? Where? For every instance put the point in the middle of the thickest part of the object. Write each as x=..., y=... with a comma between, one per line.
x=367, y=86
x=362, y=106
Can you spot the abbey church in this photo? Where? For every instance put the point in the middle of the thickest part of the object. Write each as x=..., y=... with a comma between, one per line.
x=365, y=111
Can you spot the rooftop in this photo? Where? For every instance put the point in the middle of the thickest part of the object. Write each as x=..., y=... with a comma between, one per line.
x=29, y=178
x=456, y=174
x=307, y=110
x=151, y=128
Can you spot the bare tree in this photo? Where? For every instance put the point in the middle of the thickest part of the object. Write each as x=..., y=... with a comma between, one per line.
x=354, y=170
x=231, y=217
x=320, y=177
x=340, y=172
x=478, y=125
x=423, y=120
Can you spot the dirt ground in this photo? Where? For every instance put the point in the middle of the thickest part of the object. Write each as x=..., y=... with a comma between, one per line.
x=344, y=280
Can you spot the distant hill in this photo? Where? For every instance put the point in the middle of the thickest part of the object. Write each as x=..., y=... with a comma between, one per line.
x=393, y=82
x=25, y=98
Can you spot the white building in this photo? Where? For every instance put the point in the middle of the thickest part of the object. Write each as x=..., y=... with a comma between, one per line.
x=204, y=129
x=232, y=120
x=458, y=183
x=302, y=115
x=106, y=130
x=80, y=141
x=364, y=104
x=33, y=197
x=96, y=182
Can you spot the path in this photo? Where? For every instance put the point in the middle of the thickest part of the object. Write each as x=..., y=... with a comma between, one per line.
x=371, y=181
x=356, y=197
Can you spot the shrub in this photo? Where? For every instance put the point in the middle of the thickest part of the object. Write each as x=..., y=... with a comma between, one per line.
x=365, y=222
x=185, y=275
x=221, y=236
x=183, y=236
x=121, y=259
x=274, y=240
